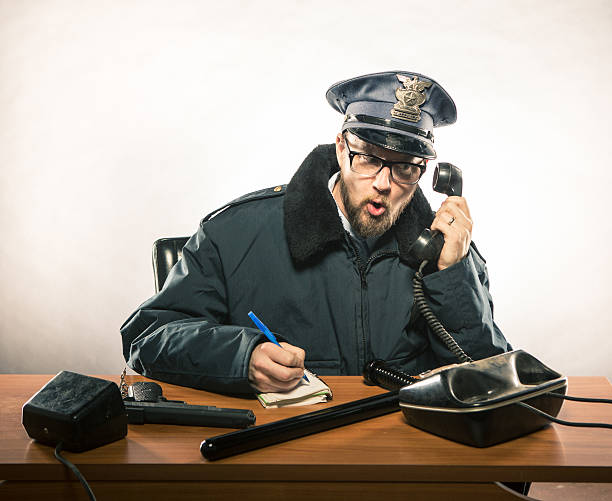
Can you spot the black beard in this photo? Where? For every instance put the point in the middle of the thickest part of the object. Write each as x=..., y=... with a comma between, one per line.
x=363, y=223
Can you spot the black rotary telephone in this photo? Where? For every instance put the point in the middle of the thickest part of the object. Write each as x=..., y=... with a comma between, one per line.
x=447, y=179
x=482, y=402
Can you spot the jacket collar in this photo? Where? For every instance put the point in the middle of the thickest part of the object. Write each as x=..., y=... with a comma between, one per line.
x=312, y=224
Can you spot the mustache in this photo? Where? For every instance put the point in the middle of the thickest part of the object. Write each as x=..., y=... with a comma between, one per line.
x=382, y=201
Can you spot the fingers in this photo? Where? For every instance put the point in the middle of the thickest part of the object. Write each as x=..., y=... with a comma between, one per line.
x=454, y=222
x=455, y=209
x=272, y=368
x=300, y=355
x=452, y=218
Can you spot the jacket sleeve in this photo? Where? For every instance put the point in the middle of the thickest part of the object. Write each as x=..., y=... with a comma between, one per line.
x=459, y=297
x=181, y=335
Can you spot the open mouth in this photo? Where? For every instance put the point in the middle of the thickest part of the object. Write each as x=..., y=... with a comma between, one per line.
x=375, y=208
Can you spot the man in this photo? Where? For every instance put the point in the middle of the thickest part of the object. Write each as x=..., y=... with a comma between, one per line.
x=325, y=262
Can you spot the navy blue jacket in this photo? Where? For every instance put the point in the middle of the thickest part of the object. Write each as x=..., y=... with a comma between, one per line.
x=284, y=254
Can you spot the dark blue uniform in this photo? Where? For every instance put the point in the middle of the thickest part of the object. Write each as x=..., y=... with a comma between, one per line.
x=284, y=254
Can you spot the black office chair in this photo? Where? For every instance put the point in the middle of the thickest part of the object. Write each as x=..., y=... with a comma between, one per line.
x=166, y=252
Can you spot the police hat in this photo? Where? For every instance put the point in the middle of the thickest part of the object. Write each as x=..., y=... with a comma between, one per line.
x=395, y=109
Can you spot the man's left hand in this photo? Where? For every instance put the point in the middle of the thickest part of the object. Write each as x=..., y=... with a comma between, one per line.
x=454, y=222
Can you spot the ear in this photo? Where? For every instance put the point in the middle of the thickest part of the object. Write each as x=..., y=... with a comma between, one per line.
x=340, y=146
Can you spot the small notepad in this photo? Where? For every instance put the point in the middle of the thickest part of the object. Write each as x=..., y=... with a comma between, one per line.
x=304, y=393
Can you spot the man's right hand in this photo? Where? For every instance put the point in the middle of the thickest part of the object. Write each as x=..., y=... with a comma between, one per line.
x=276, y=369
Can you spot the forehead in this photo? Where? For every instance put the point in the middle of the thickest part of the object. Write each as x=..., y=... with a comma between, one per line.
x=360, y=146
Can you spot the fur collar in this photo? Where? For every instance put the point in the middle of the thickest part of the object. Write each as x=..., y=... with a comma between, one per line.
x=312, y=224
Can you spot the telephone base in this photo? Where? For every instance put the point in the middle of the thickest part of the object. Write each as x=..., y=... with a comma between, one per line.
x=476, y=403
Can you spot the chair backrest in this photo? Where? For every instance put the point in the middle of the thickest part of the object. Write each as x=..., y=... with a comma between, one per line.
x=166, y=252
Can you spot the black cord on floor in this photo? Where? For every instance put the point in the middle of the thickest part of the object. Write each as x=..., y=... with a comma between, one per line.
x=561, y=421
x=74, y=470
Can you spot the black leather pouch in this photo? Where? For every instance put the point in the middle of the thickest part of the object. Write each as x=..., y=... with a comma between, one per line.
x=82, y=412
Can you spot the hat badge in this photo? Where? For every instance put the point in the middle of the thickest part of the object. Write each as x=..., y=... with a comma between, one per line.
x=409, y=98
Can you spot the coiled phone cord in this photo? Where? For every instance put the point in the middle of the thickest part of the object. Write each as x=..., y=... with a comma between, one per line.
x=377, y=373
x=434, y=323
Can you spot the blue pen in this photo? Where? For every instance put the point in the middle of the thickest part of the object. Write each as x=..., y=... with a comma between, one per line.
x=262, y=327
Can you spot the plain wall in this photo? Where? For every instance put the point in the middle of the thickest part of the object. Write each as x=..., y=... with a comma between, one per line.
x=125, y=121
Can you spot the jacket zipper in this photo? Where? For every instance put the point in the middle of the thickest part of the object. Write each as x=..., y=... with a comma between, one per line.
x=362, y=290
x=364, y=286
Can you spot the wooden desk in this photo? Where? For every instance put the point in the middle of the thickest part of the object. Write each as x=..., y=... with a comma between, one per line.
x=380, y=458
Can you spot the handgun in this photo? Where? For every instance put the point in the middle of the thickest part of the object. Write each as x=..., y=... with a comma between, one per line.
x=145, y=403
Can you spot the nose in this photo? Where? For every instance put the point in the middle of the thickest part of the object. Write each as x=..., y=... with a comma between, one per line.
x=382, y=181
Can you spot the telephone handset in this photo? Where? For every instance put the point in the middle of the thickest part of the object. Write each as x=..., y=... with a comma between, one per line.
x=447, y=179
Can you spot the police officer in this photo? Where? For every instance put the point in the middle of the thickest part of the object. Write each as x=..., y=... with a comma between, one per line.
x=325, y=261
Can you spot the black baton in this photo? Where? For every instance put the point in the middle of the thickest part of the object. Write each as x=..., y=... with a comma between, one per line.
x=263, y=435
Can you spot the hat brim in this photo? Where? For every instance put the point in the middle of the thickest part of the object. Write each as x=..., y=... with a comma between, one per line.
x=403, y=143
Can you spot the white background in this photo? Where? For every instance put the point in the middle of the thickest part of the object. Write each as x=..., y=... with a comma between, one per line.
x=125, y=121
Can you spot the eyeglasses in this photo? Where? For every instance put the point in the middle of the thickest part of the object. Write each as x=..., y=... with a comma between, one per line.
x=370, y=165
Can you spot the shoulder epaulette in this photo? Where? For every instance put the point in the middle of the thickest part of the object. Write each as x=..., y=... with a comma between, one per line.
x=249, y=197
